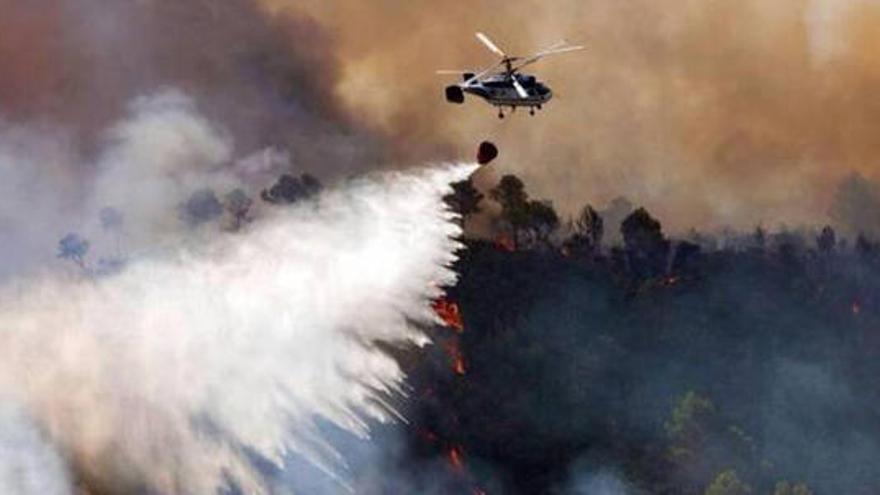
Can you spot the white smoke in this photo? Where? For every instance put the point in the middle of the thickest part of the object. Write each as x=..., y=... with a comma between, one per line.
x=36, y=182
x=28, y=465
x=154, y=159
x=150, y=162
x=170, y=376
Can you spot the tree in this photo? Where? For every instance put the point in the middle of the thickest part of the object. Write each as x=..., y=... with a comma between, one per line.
x=542, y=220
x=73, y=247
x=289, y=189
x=238, y=205
x=692, y=431
x=522, y=216
x=646, y=248
x=588, y=230
x=511, y=195
x=590, y=225
x=201, y=207
x=728, y=483
x=641, y=232
x=827, y=240
x=759, y=238
x=464, y=199
x=693, y=419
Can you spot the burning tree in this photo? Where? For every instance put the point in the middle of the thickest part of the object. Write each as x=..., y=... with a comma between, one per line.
x=565, y=361
x=522, y=218
x=449, y=313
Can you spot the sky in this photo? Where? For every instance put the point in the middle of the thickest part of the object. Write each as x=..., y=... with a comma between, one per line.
x=729, y=113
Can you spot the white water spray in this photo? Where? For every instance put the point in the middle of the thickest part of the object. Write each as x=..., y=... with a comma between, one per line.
x=166, y=377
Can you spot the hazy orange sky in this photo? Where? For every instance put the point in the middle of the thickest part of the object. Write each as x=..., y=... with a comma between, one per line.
x=709, y=113
x=730, y=112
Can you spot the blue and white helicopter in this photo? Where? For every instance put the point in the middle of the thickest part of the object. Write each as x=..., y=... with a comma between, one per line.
x=502, y=85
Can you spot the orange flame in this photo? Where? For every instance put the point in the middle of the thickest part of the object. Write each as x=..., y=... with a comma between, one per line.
x=458, y=365
x=456, y=457
x=449, y=313
x=457, y=358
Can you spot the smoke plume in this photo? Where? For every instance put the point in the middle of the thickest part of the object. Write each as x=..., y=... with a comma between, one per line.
x=266, y=78
x=708, y=113
x=713, y=114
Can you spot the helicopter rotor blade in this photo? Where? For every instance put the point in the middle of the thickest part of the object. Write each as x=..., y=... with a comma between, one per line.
x=550, y=51
x=562, y=49
x=453, y=72
x=490, y=45
x=521, y=91
x=481, y=74
x=558, y=44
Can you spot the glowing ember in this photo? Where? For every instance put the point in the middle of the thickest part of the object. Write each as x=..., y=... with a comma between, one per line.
x=456, y=357
x=458, y=365
x=449, y=313
x=456, y=457
x=505, y=243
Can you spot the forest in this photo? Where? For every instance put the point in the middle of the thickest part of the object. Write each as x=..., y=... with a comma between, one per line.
x=718, y=365
x=598, y=355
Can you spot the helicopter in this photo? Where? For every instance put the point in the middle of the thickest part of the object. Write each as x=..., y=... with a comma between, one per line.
x=506, y=87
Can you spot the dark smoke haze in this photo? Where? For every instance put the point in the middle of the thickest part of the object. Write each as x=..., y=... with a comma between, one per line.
x=100, y=96
x=716, y=114
x=267, y=79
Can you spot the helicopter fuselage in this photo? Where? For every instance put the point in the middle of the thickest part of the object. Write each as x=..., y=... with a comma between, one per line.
x=507, y=87
x=498, y=90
